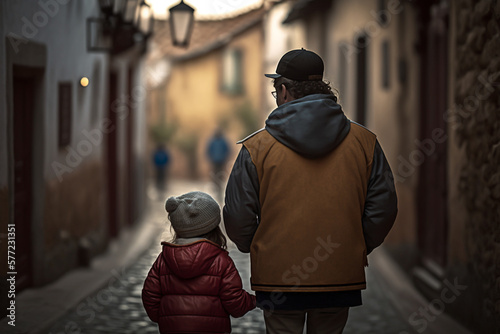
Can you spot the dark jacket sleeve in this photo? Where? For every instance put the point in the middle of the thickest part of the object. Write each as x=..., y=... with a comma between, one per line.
x=242, y=207
x=151, y=292
x=235, y=300
x=381, y=201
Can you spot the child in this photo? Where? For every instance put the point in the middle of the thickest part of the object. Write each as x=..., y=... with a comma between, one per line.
x=193, y=286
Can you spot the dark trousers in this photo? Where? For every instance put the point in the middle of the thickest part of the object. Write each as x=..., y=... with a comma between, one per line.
x=319, y=321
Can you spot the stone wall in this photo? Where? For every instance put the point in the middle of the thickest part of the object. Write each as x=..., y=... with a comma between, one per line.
x=477, y=100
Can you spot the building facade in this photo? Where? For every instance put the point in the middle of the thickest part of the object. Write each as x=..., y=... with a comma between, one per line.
x=72, y=129
x=213, y=84
x=424, y=77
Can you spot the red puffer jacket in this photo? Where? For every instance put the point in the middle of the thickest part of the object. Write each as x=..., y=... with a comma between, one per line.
x=194, y=288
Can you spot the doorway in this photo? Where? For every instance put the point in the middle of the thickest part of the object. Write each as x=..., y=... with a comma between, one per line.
x=362, y=42
x=432, y=189
x=23, y=115
x=131, y=192
x=111, y=157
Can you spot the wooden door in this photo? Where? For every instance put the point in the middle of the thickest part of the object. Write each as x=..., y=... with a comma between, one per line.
x=432, y=197
x=130, y=151
x=23, y=90
x=112, y=162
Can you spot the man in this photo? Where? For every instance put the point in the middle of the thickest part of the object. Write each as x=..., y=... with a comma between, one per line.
x=309, y=196
x=161, y=160
x=218, y=153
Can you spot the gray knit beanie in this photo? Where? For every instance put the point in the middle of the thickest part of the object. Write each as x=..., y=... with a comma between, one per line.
x=193, y=214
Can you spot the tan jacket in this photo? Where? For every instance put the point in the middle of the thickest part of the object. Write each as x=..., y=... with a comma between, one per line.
x=310, y=235
x=309, y=196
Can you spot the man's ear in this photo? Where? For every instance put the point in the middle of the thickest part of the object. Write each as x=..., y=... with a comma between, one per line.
x=285, y=93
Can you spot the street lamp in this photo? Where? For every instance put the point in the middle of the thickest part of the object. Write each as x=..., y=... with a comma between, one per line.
x=126, y=9
x=122, y=24
x=100, y=30
x=107, y=7
x=181, y=23
x=144, y=19
x=99, y=34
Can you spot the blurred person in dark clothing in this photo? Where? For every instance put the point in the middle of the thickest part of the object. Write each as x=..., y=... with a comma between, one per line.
x=218, y=153
x=161, y=160
x=309, y=197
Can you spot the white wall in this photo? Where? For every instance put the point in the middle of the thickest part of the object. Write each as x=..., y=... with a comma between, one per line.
x=55, y=31
x=386, y=107
x=61, y=26
x=278, y=40
x=346, y=18
x=392, y=112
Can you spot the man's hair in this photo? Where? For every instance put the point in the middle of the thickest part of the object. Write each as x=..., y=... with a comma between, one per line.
x=299, y=89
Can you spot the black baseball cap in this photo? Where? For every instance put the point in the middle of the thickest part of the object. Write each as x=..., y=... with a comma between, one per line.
x=299, y=65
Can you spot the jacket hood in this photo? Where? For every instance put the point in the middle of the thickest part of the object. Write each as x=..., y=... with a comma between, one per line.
x=312, y=126
x=191, y=260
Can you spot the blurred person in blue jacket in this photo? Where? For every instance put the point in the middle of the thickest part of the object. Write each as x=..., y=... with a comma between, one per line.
x=218, y=153
x=161, y=160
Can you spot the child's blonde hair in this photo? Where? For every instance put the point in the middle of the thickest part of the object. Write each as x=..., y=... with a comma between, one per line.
x=216, y=235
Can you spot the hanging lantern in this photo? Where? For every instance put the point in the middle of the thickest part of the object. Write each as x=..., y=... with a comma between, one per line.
x=144, y=19
x=181, y=23
x=126, y=9
x=107, y=7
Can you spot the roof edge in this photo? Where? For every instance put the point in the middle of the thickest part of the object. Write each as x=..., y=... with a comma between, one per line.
x=218, y=43
x=304, y=8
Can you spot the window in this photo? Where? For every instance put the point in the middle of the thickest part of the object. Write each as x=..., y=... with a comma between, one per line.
x=362, y=41
x=232, y=63
x=342, y=69
x=65, y=101
x=97, y=94
x=385, y=64
x=382, y=14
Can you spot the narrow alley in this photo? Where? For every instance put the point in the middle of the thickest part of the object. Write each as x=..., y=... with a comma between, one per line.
x=116, y=307
x=373, y=123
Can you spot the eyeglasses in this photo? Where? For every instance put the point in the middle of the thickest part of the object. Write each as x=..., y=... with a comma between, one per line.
x=274, y=94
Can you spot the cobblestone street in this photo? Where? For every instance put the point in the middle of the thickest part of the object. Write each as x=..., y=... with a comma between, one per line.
x=120, y=310
x=117, y=307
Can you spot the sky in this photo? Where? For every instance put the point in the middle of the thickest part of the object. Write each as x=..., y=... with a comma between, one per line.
x=203, y=8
